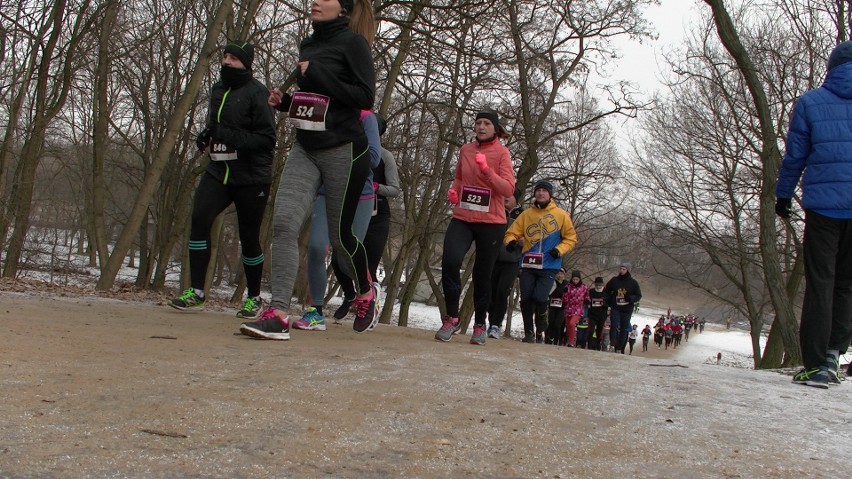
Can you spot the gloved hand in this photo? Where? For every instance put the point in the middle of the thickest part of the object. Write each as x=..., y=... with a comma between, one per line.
x=481, y=162
x=453, y=197
x=513, y=246
x=784, y=207
x=554, y=253
x=202, y=141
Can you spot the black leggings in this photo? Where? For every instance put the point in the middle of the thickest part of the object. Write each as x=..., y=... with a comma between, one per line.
x=376, y=239
x=488, y=239
x=211, y=198
x=374, y=244
x=502, y=277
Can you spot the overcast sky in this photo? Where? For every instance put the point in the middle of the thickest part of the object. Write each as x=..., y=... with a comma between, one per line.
x=641, y=62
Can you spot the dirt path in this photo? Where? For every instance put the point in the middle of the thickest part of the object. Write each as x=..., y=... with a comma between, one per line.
x=93, y=387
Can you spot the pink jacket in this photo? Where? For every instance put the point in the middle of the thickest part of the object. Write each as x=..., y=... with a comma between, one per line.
x=573, y=299
x=499, y=180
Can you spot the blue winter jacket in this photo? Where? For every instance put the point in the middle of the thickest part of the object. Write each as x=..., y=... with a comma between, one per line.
x=819, y=143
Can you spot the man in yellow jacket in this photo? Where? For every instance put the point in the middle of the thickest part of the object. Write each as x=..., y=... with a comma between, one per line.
x=543, y=233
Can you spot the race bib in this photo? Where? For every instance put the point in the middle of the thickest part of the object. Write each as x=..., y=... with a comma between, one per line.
x=475, y=198
x=307, y=111
x=533, y=261
x=597, y=302
x=621, y=301
x=221, y=152
x=555, y=302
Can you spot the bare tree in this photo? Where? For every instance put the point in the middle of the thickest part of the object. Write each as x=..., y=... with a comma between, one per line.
x=164, y=149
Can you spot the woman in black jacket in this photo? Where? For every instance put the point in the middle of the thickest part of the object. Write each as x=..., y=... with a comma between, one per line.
x=239, y=137
x=336, y=80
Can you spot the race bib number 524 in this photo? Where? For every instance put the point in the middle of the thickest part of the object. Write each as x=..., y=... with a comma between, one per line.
x=308, y=110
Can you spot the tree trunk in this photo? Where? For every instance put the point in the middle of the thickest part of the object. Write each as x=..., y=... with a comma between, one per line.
x=771, y=158
x=100, y=134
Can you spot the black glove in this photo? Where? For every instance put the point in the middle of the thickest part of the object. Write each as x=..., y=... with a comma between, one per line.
x=554, y=253
x=202, y=141
x=784, y=207
x=512, y=246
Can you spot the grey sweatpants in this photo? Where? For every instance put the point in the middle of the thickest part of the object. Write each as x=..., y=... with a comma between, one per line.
x=343, y=170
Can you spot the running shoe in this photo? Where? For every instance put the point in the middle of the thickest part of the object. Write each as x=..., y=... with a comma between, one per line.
x=816, y=377
x=343, y=310
x=365, y=313
x=449, y=327
x=495, y=332
x=832, y=367
x=188, y=301
x=270, y=325
x=478, y=336
x=312, y=320
x=528, y=338
x=251, y=308
x=377, y=309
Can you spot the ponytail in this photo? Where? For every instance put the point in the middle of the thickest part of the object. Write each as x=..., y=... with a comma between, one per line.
x=362, y=20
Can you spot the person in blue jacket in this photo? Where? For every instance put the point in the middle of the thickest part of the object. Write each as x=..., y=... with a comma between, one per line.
x=819, y=151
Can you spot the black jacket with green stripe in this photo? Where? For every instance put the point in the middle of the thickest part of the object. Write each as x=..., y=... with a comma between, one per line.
x=243, y=120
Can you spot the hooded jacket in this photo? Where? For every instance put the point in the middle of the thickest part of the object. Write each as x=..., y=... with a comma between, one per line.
x=623, y=292
x=819, y=147
x=544, y=229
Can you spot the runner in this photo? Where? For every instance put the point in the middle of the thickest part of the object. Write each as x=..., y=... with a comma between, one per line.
x=336, y=80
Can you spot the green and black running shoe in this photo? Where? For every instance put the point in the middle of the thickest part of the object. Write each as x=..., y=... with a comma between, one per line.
x=251, y=308
x=816, y=377
x=188, y=301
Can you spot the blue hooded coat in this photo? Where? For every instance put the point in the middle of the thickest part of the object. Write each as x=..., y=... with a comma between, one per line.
x=819, y=144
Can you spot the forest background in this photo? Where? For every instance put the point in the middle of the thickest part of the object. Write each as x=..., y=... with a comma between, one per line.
x=100, y=101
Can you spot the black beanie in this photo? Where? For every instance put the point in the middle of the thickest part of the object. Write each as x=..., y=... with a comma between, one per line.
x=493, y=117
x=576, y=274
x=599, y=280
x=544, y=184
x=242, y=50
x=841, y=54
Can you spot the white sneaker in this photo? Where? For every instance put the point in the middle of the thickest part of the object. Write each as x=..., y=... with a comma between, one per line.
x=495, y=332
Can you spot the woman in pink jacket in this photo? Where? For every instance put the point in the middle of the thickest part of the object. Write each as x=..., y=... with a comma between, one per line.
x=484, y=178
x=575, y=297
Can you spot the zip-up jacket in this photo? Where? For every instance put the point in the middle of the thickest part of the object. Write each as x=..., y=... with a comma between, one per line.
x=543, y=229
x=499, y=179
x=246, y=123
x=819, y=147
x=340, y=66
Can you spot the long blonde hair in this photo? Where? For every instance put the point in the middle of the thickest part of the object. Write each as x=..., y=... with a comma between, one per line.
x=362, y=20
